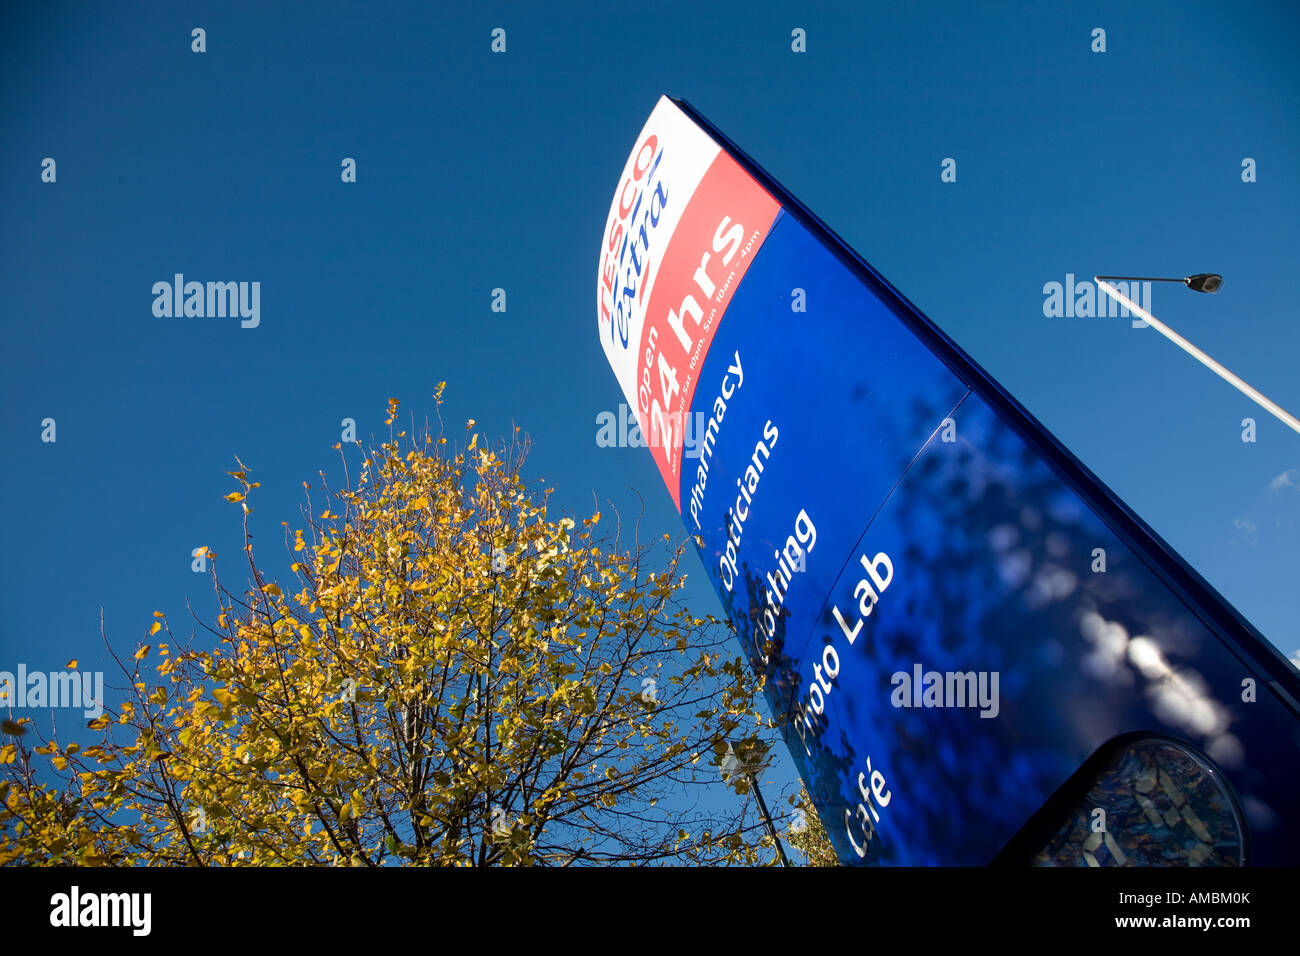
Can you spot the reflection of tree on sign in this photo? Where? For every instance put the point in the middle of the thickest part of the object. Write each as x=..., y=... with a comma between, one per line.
x=828, y=769
x=993, y=576
x=757, y=644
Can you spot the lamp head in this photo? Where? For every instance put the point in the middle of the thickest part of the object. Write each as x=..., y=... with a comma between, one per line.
x=1204, y=282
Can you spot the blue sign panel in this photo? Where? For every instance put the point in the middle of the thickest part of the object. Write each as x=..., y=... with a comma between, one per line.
x=975, y=652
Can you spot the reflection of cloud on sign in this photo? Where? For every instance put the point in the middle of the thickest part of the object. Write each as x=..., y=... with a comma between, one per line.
x=1179, y=696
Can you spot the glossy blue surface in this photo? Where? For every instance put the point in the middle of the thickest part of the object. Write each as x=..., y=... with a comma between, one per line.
x=993, y=569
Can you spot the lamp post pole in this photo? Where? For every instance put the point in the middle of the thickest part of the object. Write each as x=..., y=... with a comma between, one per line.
x=733, y=769
x=1202, y=282
x=767, y=818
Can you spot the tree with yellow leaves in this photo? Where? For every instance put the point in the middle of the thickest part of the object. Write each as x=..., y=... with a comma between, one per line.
x=806, y=833
x=453, y=677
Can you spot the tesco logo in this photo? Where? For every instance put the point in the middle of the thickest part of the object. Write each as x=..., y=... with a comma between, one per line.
x=625, y=263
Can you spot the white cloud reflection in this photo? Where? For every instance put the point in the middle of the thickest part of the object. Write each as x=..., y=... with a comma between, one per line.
x=1178, y=696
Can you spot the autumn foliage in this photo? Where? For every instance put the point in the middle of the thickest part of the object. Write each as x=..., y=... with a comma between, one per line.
x=448, y=674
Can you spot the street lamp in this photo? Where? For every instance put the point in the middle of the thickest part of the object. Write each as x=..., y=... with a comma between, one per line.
x=742, y=773
x=1202, y=282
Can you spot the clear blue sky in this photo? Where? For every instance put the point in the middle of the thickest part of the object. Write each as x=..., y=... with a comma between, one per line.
x=478, y=171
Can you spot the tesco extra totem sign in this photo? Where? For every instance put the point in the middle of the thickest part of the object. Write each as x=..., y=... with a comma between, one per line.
x=908, y=557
